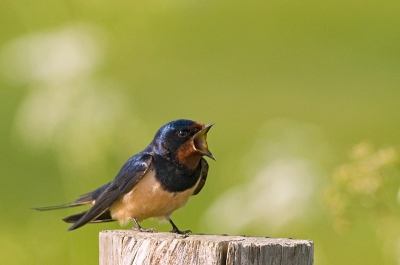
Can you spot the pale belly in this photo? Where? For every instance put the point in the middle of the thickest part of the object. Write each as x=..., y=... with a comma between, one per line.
x=147, y=199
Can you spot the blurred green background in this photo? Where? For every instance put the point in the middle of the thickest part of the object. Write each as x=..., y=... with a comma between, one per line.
x=305, y=96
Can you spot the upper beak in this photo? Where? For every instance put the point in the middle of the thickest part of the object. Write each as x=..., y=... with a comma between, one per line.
x=200, y=143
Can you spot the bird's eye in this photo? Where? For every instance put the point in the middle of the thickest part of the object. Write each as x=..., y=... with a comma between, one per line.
x=182, y=134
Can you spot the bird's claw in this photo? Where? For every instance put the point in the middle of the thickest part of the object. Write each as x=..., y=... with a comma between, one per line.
x=179, y=232
x=149, y=230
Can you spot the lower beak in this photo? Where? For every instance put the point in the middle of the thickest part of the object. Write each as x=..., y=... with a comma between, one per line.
x=200, y=142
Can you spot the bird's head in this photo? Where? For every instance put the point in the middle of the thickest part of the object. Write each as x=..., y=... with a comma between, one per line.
x=183, y=140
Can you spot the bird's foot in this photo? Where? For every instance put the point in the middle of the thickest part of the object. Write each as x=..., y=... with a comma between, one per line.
x=141, y=229
x=179, y=232
x=149, y=230
x=176, y=230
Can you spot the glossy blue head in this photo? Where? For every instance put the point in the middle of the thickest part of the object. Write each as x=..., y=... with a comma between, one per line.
x=184, y=140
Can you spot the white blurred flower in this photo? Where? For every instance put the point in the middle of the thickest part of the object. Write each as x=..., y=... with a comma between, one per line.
x=53, y=56
x=288, y=158
x=68, y=108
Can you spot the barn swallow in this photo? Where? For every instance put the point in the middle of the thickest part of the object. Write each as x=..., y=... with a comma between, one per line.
x=153, y=183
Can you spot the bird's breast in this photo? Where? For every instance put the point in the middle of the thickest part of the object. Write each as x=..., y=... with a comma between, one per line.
x=148, y=199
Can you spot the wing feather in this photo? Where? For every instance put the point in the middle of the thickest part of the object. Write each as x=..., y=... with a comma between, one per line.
x=129, y=175
x=203, y=176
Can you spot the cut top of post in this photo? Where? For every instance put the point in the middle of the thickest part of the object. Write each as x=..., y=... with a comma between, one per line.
x=119, y=247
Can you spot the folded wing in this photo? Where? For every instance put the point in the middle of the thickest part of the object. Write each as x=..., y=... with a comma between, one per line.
x=129, y=175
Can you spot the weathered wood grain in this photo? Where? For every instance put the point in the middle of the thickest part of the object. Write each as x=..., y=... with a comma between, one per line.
x=120, y=247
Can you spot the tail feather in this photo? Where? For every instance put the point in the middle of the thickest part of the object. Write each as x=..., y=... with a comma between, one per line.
x=61, y=206
x=88, y=198
x=105, y=217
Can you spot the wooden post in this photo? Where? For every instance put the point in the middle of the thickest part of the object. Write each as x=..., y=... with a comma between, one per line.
x=123, y=247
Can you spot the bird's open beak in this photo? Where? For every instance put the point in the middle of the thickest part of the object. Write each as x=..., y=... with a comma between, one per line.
x=200, y=143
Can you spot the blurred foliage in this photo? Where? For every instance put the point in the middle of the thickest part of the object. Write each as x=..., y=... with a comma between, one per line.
x=369, y=181
x=368, y=187
x=290, y=85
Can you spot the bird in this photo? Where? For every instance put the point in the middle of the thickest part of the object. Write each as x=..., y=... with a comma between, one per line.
x=151, y=184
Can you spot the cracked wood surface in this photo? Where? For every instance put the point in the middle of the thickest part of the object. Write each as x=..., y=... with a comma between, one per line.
x=123, y=247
